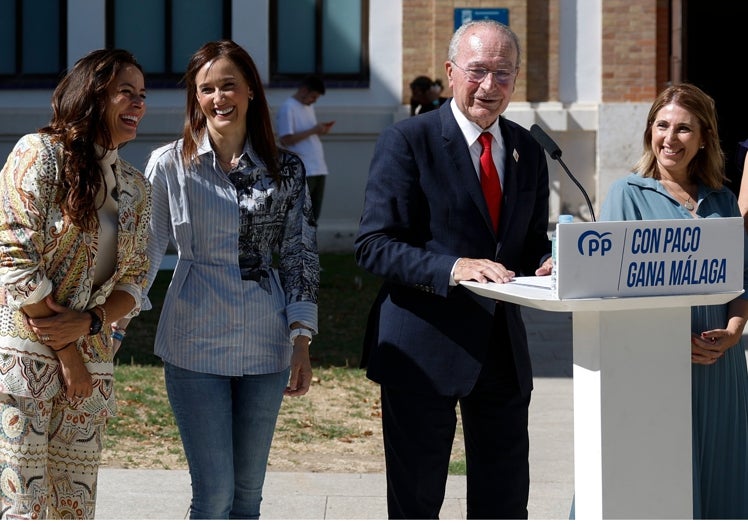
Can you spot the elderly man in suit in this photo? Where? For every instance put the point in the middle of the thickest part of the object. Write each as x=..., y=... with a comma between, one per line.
x=455, y=194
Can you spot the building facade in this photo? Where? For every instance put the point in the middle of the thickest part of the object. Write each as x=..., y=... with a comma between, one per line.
x=590, y=70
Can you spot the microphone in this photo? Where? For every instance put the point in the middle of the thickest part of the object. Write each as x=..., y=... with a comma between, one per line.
x=551, y=147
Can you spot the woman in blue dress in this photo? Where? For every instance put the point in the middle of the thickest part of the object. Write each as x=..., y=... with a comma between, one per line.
x=681, y=175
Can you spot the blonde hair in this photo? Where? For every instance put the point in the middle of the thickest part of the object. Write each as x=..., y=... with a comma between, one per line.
x=708, y=166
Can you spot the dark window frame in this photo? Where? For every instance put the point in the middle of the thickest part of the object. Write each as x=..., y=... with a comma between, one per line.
x=173, y=79
x=170, y=79
x=332, y=80
x=20, y=80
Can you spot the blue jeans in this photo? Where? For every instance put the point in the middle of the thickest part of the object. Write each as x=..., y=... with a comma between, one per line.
x=226, y=425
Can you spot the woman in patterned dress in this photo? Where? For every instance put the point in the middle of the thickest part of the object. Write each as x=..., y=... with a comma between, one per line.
x=235, y=327
x=73, y=226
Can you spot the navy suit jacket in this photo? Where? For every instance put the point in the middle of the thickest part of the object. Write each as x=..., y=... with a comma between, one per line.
x=424, y=209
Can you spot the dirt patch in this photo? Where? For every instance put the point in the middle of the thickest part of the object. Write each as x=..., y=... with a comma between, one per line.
x=335, y=428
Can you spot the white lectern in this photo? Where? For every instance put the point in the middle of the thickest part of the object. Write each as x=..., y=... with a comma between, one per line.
x=632, y=404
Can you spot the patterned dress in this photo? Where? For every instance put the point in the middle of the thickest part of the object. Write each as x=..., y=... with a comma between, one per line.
x=41, y=252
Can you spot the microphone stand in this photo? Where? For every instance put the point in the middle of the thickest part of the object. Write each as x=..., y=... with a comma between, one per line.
x=573, y=179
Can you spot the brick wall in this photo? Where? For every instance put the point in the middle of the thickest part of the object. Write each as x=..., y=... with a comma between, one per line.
x=629, y=50
x=428, y=26
x=635, y=49
x=419, y=46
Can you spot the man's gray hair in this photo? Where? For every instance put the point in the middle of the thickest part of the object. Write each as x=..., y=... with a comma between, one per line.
x=454, y=44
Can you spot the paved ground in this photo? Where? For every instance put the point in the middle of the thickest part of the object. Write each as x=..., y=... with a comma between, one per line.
x=156, y=494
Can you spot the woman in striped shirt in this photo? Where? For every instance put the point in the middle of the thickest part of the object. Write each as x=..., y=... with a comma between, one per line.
x=235, y=328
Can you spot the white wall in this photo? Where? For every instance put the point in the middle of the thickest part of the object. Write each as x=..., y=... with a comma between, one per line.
x=619, y=144
x=580, y=51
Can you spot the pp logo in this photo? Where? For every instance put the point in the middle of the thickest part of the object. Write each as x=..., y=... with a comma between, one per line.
x=593, y=243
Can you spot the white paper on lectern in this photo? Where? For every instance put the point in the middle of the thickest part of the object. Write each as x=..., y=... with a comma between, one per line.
x=640, y=258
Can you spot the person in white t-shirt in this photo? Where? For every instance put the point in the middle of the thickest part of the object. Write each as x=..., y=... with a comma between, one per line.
x=299, y=131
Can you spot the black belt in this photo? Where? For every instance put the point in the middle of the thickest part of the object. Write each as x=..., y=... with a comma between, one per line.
x=254, y=274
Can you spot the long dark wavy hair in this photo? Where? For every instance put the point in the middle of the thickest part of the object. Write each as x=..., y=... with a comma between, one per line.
x=259, y=123
x=78, y=122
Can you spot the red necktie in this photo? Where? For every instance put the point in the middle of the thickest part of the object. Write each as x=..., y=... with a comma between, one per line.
x=489, y=180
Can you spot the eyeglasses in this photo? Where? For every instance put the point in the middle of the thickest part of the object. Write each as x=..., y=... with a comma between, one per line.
x=502, y=76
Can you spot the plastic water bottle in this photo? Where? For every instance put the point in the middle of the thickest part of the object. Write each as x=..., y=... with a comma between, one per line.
x=562, y=219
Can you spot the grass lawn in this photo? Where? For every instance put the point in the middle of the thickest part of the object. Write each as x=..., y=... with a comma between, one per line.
x=144, y=434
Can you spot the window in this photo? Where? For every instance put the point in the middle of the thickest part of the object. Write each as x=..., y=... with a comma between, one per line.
x=33, y=40
x=163, y=34
x=326, y=37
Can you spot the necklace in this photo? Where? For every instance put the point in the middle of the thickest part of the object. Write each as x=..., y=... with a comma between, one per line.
x=687, y=203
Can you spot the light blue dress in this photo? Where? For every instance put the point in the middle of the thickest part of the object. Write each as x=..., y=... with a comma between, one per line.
x=719, y=391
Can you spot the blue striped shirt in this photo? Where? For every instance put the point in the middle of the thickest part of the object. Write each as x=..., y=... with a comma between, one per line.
x=229, y=307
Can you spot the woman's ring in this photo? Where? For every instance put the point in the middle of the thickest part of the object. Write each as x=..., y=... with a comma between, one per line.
x=45, y=338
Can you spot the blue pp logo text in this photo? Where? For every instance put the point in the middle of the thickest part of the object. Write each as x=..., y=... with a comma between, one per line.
x=592, y=243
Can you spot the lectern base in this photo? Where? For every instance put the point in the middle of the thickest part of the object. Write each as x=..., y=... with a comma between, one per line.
x=632, y=414
x=632, y=398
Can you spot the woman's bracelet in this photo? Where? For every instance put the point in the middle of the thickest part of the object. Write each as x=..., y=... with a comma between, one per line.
x=103, y=313
x=301, y=332
x=118, y=333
